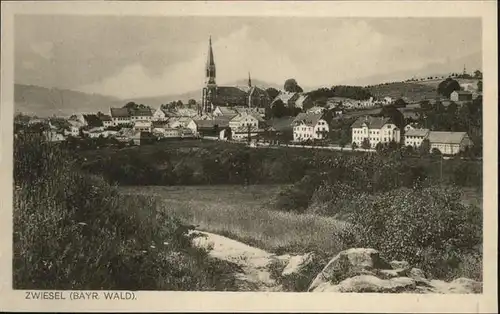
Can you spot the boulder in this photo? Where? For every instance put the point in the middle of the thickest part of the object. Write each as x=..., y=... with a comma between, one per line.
x=392, y=273
x=465, y=286
x=350, y=263
x=369, y=283
x=400, y=265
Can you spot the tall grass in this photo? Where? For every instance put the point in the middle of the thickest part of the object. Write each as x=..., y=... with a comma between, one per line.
x=74, y=231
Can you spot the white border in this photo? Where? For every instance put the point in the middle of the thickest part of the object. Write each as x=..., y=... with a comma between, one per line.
x=271, y=302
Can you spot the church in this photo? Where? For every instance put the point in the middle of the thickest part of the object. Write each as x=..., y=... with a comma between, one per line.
x=229, y=96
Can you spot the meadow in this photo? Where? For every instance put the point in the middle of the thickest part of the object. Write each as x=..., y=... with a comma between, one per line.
x=243, y=213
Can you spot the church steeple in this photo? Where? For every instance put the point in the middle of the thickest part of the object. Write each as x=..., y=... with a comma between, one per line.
x=210, y=66
x=249, y=80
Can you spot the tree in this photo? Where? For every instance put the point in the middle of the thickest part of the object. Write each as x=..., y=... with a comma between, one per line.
x=192, y=103
x=278, y=109
x=354, y=146
x=379, y=147
x=292, y=86
x=447, y=87
x=272, y=92
x=478, y=74
x=366, y=143
x=480, y=86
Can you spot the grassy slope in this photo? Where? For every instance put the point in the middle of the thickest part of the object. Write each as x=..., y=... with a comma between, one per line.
x=415, y=91
x=239, y=212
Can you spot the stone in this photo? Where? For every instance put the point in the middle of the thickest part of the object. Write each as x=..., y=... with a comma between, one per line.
x=369, y=283
x=298, y=264
x=400, y=265
x=392, y=273
x=419, y=276
x=465, y=286
x=350, y=263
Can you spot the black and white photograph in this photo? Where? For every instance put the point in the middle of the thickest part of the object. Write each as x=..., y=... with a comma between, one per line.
x=290, y=154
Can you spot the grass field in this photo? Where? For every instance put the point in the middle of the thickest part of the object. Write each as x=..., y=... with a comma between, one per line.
x=240, y=213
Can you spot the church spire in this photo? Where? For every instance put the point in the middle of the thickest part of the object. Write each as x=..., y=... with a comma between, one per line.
x=210, y=66
x=249, y=80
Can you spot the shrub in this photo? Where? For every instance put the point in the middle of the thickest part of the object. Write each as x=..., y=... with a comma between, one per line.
x=74, y=231
x=428, y=227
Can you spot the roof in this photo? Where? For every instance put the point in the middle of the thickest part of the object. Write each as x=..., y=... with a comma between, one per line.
x=315, y=109
x=227, y=110
x=417, y=132
x=221, y=123
x=300, y=101
x=105, y=117
x=119, y=112
x=446, y=137
x=372, y=122
x=242, y=115
x=286, y=97
x=310, y=119
x=142, y=112
x=92, y=120
x=228, y=91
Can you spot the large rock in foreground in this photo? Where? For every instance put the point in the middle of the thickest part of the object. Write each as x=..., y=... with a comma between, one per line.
x=363, y=270
x=350, y=263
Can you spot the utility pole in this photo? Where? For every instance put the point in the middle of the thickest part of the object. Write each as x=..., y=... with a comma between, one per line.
x=441, y=170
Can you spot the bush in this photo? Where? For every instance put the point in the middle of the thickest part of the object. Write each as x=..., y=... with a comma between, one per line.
x=74, y=231
x=428, y=227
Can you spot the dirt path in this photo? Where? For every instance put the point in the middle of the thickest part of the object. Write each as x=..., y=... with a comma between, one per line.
x=252, y=262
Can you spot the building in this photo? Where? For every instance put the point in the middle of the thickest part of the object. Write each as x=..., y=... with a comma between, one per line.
x=376, y=130
x=142, y=138
x=214, y=95
x=460, y=95
x=316, y=110
x=288, y=99
x=74, y=128
x=244, y=132
x=245, y=120
x=120, y=116
x=212, y=127
x=143, y=126
x=449, y=143
x=106, y=120
x=415, y=137
x=93, y=121
x=141, y=114
x=160, y=114
x=183, y=123
x=411, y=126
x=309, y=126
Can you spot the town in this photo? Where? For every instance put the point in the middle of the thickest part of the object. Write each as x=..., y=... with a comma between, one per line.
x=342, y=117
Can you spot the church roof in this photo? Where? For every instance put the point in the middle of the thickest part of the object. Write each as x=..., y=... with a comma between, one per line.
x=234, y=91
x=210, y=58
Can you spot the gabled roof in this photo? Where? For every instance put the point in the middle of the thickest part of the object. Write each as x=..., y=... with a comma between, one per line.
x=371, y=122
x=300, y=101
x=446, y=137
x=227, y=110
x=462, y=92
x=92, y=120
x=310, y=119
x=119, y=112
x=281, y=124
x=286, y=97
x=142, y=112
x=105, y=117
x=232, y=91
x=203, y=124
x=417, y=132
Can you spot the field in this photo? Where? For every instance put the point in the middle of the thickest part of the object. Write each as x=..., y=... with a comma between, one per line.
x=240, y=212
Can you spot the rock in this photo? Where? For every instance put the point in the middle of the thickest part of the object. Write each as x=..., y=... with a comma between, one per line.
x=392, y=273
x=400, y=265
x=297, y=264
x=350, y=263
x=369, y=283
x=465, y=285
x=419, y=276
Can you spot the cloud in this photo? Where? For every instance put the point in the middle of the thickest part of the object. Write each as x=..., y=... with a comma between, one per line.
x=235, y=55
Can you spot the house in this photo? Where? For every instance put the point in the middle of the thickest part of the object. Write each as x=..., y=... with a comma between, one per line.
x=411, y=126
x=141, y=114
x=106, y=120
x=414, y=137
x=288, y=99
x=224, y=111
x=309, y=126
x=376, y=130
x=53, y=136
x=449, y=143
x=74, y=128
x=144, y=126
x=211, y=128
x=254, y=110
x=460, y=95
x=120, y=116
x=243, y=132
x=183, y=123
x=387, y=100
x=93, y=121
x=245, y=120
x=160, y=114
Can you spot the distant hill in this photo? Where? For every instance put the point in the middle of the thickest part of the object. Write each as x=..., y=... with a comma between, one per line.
x=414, y=91
x=45, y=102
x=156, y=101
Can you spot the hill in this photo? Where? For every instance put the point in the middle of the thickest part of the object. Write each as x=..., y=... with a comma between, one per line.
x=156, y=101
x=42, y=101
x=411, y=90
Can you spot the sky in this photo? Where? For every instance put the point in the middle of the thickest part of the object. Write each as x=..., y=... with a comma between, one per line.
x=127, y=56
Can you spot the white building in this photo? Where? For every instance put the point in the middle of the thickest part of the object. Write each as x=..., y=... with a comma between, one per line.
x=142, y=114
x=309, y=126
x=245, y=120
x=415, y=137
x=376, y=130
x=449, y=143
x=143, y=126
x=120, y=116
x=182, y=123
x=74, y=128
